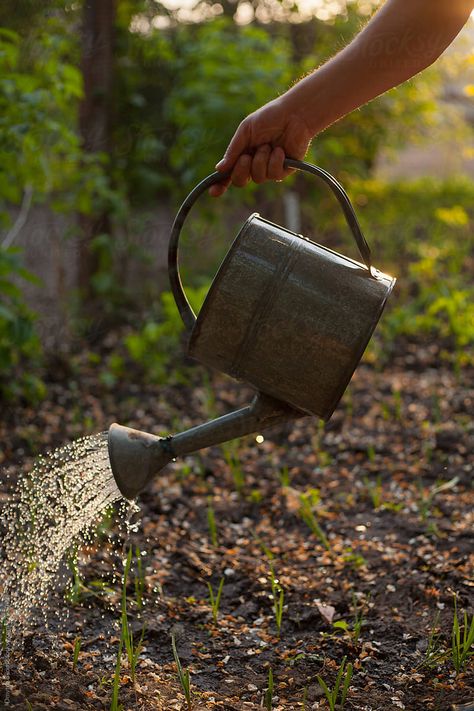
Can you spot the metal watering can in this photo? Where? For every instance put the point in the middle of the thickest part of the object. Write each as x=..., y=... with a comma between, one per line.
x=285, y=314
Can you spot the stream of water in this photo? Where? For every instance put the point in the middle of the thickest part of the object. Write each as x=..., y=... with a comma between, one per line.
x=53, y=509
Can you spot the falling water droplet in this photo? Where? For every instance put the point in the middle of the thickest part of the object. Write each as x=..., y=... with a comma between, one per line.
x=52, y=512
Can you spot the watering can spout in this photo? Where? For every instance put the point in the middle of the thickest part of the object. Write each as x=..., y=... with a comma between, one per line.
x=137, y=457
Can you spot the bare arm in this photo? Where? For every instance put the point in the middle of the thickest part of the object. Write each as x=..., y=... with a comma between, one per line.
x=403, y=38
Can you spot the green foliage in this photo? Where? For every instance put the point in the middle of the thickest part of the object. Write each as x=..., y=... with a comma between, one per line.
x=40, y=90
x=156, y=347
x=225, y=72
x=20, y=349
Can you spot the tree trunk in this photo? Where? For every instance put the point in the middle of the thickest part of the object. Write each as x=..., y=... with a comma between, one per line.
x=94, y=119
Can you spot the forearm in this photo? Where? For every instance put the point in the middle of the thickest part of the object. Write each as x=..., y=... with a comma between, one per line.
x=402, y=39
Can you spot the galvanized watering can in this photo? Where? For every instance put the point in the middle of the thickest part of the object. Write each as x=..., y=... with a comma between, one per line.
x=288, y=316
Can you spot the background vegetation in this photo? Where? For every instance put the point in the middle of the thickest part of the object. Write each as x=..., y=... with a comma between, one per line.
x=149, y=116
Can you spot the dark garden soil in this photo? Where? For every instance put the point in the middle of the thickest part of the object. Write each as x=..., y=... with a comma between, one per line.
x=369, y=565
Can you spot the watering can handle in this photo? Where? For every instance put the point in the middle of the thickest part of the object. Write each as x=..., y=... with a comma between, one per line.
x=184, y=307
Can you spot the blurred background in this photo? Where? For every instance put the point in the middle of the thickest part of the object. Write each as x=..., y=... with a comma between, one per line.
x=110, y=111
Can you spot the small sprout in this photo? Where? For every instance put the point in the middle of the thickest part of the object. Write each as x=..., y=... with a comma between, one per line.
x=462, y=640
x=307, y=501
x=77, y=649
x=183, y=674
x=398, y=402
x=215, y=600
x=230, y=451
x=268, y=698
x=426, y=498
x=133, y=650
x=358, y=620
x=435, y=654
x=114, y=704
x=211, y=522
x=305, y=698
x=284, y=477
x=4, y=635
x=278, y=596
x=344, y=676
x=374, y=490
x=139, y=579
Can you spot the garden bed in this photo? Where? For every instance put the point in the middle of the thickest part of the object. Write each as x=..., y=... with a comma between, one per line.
x=365, y=525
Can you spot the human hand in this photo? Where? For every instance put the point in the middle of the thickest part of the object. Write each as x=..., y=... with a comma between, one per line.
x=260, y=145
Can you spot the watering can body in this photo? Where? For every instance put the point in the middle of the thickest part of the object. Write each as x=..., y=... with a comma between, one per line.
x=288, y=316
x=284, y=314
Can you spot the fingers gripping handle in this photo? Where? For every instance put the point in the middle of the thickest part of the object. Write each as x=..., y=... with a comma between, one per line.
x=184, y=307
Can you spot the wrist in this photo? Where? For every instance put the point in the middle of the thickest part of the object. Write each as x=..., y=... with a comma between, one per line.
x=309, y=102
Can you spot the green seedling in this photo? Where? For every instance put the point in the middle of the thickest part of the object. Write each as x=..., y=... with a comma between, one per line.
x=139, y=580
x=437, y=415
x=307, y=501
x=354, y=629
x=353, y=559
x=183, y=674
x=29, y=707
x=374, y=490
x=215, y=600
x=338, y=694
x=114, y=704
x=4, y=635
x=426, y=498
x=77, y=649
x=76, y=585
x=133, y=650
x=255, y=496
x=305, y=698
x=230, y=451
x=371, y=453
x=358, y=619
x=278, y=597
x=211, y=522
x=397, y=402
x=268, y=698
x=462, y=640
x=435, y=654
x=265, y=549
x=284, y=476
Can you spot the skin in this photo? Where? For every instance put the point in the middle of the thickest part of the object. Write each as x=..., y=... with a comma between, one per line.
x=402, y=38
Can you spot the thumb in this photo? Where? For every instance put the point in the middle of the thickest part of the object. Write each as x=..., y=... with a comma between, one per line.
x=238, y=144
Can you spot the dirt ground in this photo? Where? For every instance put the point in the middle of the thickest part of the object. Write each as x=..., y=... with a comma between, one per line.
x=366, y=523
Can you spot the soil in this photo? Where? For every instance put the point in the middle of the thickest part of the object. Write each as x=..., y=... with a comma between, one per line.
x=369, y=568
